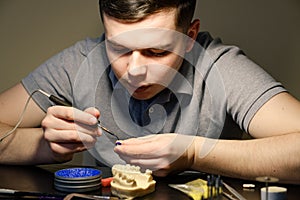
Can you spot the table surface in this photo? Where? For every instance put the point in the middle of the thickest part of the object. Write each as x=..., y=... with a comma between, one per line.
x=41, y=178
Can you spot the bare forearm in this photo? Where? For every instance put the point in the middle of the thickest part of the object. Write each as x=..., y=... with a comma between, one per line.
x=24, y=146
x=277, y=156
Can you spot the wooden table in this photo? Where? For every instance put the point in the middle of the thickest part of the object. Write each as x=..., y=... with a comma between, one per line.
x=41, y=178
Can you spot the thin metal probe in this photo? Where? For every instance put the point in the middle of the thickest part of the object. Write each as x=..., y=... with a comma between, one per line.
x=234, y=192
x=61, y=102
x=229, y=196
x=108, y=131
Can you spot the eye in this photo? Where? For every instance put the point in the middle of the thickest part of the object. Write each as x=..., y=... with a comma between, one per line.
x=156, y=52
x=118, y=49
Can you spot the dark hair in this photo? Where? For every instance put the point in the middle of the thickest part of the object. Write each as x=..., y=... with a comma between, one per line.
x=135, y=10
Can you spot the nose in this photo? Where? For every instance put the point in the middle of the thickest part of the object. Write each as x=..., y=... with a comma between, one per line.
x=137, y=68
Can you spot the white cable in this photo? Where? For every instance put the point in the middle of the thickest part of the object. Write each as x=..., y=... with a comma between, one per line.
x=21, y=117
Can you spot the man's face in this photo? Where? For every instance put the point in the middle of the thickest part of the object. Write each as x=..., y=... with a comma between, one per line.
x=145, y=55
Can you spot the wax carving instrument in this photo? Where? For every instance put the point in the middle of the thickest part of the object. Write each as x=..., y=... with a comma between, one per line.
x=61, y=102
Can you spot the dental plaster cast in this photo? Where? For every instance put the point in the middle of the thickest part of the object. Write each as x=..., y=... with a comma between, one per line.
x=129, y=182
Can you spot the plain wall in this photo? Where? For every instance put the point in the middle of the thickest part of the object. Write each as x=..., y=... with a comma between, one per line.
x=268, y=31
x=31, y=31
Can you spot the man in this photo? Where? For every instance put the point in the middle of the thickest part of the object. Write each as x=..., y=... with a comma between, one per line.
x=150, y=73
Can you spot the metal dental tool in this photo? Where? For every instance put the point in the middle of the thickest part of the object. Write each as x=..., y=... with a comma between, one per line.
x=57, y=101
x=61, y=102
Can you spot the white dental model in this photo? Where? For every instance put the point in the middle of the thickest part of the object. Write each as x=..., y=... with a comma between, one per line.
x=129, y=182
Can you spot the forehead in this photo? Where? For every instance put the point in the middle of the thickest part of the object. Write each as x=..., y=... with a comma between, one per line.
x=158, y=29
x=162, y=19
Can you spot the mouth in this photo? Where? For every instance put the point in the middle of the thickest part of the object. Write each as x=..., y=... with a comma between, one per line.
x=138, y=89
x=142, y=89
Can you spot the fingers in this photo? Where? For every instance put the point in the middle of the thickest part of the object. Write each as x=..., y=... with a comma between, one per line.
x=69, y=136
x=161, y=166
x=150, y=152
x=149, y=163
x=63, y=152
x=69, y=130
x=149, y=147
x=67, y=148
x=73, y=114
x=93, y=111
x=62, y=118
x=162, y=153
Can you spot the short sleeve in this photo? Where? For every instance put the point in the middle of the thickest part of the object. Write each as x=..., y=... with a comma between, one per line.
x=247, y=85
x=56, y=75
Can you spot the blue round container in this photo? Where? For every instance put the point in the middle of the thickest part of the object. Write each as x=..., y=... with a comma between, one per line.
x=80, y=179
x=78, y=173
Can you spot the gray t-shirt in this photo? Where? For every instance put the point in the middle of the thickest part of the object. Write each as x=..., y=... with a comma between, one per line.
x=215, y=94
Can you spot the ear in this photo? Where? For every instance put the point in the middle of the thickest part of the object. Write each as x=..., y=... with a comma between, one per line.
x=192, y=33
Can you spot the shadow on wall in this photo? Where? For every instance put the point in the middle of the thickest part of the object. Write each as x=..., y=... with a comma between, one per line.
x=268, y=32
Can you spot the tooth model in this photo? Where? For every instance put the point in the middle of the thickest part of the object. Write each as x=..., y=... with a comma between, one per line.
x=129, y=182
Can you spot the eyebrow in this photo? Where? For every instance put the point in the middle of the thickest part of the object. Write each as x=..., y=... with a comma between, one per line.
x=164, y=47
x=113, y=42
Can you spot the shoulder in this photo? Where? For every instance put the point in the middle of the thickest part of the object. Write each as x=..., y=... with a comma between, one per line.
x=204, y=39
x=215, y=47
x=72, y=57
x=87, y=45
x=84, y=47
